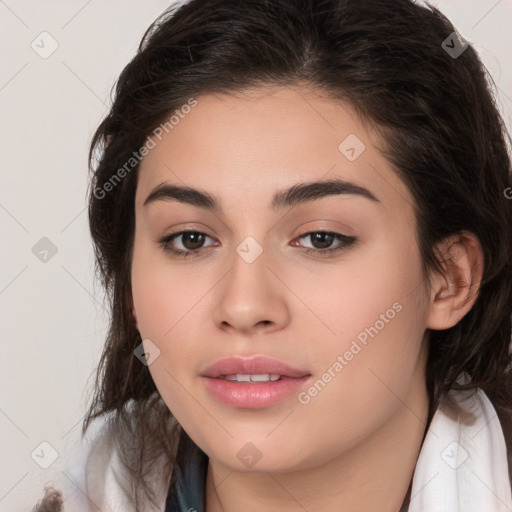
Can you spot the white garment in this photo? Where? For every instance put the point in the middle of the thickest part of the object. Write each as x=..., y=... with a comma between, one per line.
x=94, y=480
x=462, y=466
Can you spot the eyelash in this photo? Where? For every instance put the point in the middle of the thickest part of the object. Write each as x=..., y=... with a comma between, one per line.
x=346, y=242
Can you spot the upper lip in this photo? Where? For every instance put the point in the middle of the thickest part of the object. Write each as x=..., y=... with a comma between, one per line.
x=251, y=366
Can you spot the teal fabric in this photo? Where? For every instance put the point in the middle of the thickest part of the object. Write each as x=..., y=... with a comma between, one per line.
x=187, y=489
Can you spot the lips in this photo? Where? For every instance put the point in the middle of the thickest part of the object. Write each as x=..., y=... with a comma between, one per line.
x=252, y=366
x=252, y=383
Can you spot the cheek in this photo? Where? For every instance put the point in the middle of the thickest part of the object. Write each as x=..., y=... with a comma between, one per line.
x=165, y=304
x=384, y=279
x=171, y=310
x=379, y=308
x=375, y=308
x=161, y=295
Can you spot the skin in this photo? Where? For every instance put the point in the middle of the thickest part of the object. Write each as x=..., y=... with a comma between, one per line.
x=355, y=444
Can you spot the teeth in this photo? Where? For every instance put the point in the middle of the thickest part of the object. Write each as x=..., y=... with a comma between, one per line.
x=264, y=377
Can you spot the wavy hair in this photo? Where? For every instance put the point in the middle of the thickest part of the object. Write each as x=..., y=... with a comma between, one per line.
x=442, y=133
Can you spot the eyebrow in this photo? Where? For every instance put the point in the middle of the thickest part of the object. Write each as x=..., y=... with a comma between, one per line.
x=297, y=194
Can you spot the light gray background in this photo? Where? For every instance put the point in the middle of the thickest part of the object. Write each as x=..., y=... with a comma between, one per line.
x=51, y=315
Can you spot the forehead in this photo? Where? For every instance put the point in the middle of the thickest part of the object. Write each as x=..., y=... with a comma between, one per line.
x=256, y=142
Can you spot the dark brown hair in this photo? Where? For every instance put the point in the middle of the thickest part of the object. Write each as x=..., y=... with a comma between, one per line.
x=442, y=131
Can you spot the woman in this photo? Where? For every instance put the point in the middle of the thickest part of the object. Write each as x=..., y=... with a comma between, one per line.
x=300, y=210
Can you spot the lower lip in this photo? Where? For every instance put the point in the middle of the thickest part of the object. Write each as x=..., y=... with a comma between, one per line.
x=254, y=395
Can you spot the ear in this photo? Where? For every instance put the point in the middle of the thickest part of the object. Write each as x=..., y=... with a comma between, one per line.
x=453, y=294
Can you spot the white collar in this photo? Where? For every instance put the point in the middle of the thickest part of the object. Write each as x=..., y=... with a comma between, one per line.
x=462, y=466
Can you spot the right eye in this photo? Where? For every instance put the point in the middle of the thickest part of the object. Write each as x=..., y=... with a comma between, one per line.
x=190, y=238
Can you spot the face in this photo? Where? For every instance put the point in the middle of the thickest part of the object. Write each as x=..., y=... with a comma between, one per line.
x=328, y=282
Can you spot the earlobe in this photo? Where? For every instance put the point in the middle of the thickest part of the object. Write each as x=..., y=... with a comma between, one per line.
x=454, y=293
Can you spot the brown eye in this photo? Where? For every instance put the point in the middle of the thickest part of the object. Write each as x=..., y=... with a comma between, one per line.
x=322, y=241
x=191, y=241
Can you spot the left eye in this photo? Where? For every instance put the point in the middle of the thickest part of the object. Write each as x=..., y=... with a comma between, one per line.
x=326, y=238
x=193, y=240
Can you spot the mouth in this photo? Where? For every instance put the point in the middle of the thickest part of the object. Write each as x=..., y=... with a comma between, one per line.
x=253, y=383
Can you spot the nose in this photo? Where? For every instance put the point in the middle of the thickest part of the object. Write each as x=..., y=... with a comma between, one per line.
x=251, y=298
